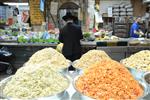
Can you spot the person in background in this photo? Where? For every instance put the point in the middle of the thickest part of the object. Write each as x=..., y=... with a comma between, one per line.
x=70, y=35
x=15, y=13
x=98, y=31
x=98, y=17
x=135, y=31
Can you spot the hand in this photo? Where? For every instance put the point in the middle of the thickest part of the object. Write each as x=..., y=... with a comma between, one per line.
x=141, y=33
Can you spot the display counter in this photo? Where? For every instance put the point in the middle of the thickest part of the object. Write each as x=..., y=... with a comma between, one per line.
x=22, y=51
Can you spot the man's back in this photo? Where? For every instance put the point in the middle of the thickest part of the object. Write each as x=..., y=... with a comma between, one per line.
x=72, y=32
x=134, y=27
x=70, y=35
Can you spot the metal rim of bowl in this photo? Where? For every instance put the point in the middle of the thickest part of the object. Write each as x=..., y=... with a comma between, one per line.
x=3, y=98
x=144, y=87
x=145, y=74
x=60, y=94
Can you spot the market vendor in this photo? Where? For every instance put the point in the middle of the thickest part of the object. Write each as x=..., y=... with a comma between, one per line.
x=135, y=31
x=70, y=36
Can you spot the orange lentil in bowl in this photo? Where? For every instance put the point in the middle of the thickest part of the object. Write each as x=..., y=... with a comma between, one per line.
x=108, y=80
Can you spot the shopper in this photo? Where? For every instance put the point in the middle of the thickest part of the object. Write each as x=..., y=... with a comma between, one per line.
x=135, y=31
x=70, y=36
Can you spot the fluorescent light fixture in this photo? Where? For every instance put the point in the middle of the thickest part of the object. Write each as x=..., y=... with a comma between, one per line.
x=16, y=4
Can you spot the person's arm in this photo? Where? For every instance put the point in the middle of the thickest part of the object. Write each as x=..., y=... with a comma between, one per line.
x=141, y=33
x=81, y=35
x=137, y=30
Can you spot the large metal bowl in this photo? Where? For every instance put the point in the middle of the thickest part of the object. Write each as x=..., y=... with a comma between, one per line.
x=58, y=96
x=84, y=97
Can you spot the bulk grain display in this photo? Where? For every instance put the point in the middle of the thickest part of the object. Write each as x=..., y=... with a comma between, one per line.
x=108, y=79
x=89, y=58
x=139, y=60
x=49, y=56
x=39, y=76
x=35, y=81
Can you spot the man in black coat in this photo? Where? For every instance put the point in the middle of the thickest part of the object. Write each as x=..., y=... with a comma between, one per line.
x=70, y=36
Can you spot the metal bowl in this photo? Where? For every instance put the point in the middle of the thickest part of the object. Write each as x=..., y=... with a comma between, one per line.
x=77, y=69
x=145, y=76
x=4, y=98
x=57, y=96
x=84, y=97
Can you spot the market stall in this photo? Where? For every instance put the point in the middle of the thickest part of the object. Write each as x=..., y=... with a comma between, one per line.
x=113, y=65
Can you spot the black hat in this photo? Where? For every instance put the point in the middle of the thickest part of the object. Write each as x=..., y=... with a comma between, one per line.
x=68, y=16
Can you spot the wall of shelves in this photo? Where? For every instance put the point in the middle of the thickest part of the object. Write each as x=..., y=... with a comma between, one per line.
x=121, y=29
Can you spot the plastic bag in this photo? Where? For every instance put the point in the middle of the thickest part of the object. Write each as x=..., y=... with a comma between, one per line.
x=4, y=52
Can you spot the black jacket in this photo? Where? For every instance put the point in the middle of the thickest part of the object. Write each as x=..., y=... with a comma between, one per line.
x=70, y=36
